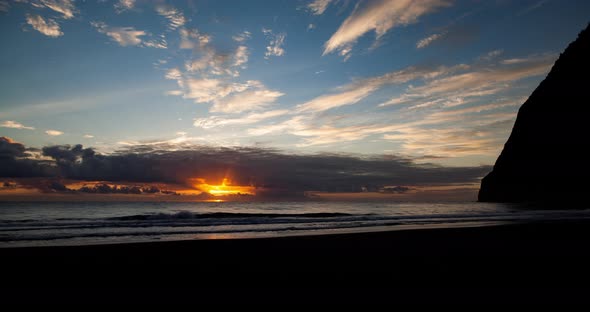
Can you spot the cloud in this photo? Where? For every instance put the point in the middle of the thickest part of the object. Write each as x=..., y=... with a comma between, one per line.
x=4, y=6
x=435, y=99
x=491, y=55
x=213, y=63
x=486, y=78
x=206, y=90
x=10, y=148
x=423, y=43
x=354, y=92
x=88, y=136
x=124, y=5
x=533, y=7
x=242, y=37
x=174, y=92
x=241, y=56
x=379, y=16
x=209, y=76
x=275, y=45
x=175, y=17
x=245, y=166
x=47, y=27
x=181, y=133
x=326, y=102
x=65, y=7
x=476, y=81
x=14, y=125
x=257, y=96
x=192, y=38
x=124, y=36
x=318, y=7
x=209, y=61
x=14, y=162
x=448, y=142
x=311, y=27
x=129, y=36
x=174, y=74
x=226, y=96
x=218, y=121
x=159, y=43
x=480, y=108
x=53, y=132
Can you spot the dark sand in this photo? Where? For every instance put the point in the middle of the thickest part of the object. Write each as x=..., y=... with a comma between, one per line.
x=526, y=262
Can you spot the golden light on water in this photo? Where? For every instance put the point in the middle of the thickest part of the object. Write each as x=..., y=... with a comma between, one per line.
x=223, y=189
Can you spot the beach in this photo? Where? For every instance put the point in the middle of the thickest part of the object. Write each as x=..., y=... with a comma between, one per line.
x=528, y=259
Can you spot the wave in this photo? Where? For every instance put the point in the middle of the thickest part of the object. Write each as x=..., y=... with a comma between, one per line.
x=226, y=215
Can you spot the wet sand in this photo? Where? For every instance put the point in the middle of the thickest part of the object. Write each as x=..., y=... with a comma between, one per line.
x=542, y=261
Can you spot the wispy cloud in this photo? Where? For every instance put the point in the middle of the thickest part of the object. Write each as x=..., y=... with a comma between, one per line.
x=255, y=98
x=318, y=7
x=192, y=39
x=491, y=55
x=446, y=111
x=423, y=43
x=242, y=37
x=129, y=36
x=47, y=27
x=208, y=60
x=65, y=7
x=379, y=16
x=175, y=17
x=14, y=125
x=226, y=97
x=275, y=45
x=476, y=81
x=4, y=6
x=533, y=7
x=329, y=101
x=241, y=56
x=88, y=136
x=354, y=92
x=446, y=142
x=209, y=76
x=158, y=43
x=485, y=78
x=53, y=132
x=124, y=5
x=124, y=36
x=219, y=121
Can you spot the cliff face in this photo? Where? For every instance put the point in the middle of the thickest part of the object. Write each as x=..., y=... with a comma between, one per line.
x=547, y=156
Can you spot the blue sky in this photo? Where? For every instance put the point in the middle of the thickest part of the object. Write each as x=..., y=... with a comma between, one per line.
x=438, y=80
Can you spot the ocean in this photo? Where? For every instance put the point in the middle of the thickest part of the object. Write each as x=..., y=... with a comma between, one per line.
x=83, y=223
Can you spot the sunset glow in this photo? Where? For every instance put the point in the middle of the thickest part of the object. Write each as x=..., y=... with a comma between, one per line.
x=223, y=189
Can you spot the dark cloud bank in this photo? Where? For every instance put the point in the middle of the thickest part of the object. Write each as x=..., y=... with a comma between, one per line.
x=266, y=168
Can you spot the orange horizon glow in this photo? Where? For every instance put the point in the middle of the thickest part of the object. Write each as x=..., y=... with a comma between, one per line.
x=223, y=189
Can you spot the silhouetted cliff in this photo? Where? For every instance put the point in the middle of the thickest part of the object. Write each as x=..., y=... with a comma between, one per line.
x=546, y=157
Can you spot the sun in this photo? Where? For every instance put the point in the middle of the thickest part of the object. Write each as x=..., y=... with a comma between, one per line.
x=223, y=189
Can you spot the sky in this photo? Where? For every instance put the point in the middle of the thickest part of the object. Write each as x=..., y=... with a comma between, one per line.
x=435, y=81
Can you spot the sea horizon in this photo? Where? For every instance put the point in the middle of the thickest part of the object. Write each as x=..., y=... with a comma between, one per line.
x=28, y=224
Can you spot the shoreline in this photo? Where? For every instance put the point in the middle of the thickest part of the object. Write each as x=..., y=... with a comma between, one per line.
x=529, y=258
x=271, y=234
x=510, y=251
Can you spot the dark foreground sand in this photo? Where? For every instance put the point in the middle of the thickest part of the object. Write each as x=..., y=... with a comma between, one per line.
x=537, y=262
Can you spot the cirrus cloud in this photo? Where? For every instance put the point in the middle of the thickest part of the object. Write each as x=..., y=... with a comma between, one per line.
x=318, y=7
x=379, y=16
x=65, y=7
